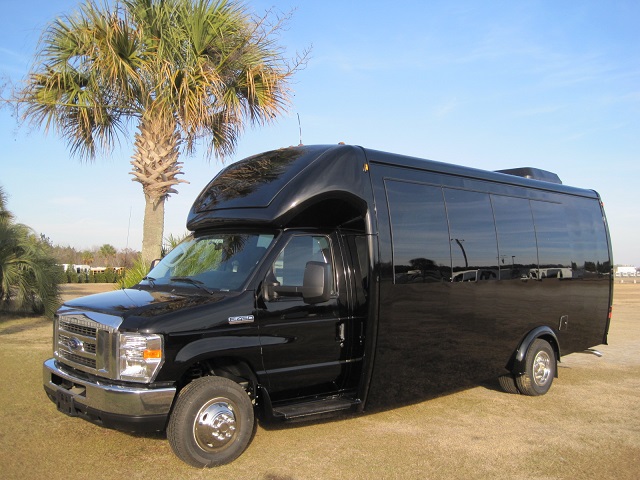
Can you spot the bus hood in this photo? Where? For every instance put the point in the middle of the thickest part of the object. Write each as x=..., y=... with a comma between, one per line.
x=144, y=303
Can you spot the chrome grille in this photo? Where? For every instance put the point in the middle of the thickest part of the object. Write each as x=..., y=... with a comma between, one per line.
x=79, y=329
x=85, y=344
x=87, y=362
x=70, y=344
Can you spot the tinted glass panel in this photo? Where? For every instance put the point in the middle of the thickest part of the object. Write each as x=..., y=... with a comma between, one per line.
x=552, y=234
x=474, y=251
x=588, y=237
x=217, y=261
x=359, y=248
x=420, y=236
x=253, y=181
x=290, y=265
x=516, y=237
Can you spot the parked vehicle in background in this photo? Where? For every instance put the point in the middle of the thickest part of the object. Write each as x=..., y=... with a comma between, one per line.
x=625, y=271
x=321, y=279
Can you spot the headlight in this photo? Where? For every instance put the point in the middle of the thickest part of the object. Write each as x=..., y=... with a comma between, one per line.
x=140, y=356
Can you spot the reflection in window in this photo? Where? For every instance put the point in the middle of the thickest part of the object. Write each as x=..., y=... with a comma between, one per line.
x=552, y=236
x=421, y=251
x=289, y=267
x=588, y=238
x=474, y=254
x=216, y=261
x=516, y=238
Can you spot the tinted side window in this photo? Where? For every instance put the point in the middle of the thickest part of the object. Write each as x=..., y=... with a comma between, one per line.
x=516, y=237
x=588, y=237
x=358, y=248
x=289, y=267
x=474, y=251
x=552, y=235
x=420, y=236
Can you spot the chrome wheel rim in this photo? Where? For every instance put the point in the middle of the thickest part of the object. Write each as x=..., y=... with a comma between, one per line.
x=215, y=425
x=541, y=368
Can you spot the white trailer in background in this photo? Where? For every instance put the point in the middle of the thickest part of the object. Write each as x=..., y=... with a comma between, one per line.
x=625, y=271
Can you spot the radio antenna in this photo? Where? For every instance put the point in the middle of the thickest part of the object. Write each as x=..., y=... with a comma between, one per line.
x=300, y=129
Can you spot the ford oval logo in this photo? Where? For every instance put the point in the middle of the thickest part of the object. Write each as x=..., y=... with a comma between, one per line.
x=75, y=344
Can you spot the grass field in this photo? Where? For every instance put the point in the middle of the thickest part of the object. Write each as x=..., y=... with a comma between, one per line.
x=587, y=426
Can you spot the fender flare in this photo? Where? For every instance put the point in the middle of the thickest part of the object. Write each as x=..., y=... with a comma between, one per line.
x=230, y=351
x=517, y=364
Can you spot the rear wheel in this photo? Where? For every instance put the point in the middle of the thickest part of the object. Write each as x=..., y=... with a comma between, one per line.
x=540, y=368
x=212, y=422
x=508, y=384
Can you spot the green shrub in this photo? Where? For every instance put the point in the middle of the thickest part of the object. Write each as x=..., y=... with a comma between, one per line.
x=72, y=275
x=109, y=275
x=29, y=276
x=134, y=275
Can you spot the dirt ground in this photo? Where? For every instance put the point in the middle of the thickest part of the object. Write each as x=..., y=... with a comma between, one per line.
x=587, y=426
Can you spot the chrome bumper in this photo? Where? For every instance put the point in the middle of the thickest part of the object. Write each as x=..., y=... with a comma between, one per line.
x=74, y=394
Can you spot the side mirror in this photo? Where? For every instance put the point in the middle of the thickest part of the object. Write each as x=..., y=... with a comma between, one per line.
x=316, y=283
x=269, y=290
x=154, y=263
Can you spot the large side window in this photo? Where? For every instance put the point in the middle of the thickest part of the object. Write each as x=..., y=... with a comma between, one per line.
x=290, y=265
x=359, y=250
x=516, y=238
x=420, y=236
x=552, y=235
x=590, y=251
x=474, y=251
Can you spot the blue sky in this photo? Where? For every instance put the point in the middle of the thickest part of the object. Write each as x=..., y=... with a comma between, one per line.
x=493, y=85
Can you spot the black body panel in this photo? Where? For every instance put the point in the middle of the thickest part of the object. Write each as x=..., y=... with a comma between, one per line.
x=274, y=187
x=465, y=276
x=440, y=273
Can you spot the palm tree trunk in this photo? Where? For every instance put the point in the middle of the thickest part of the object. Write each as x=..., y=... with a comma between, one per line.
x=155, y=166
x=153, y=228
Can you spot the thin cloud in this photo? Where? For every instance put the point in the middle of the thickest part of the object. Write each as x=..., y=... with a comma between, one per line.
x=446, y=108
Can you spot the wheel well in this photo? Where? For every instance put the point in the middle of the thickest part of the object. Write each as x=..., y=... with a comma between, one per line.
x=516, y=364
x=233, y=369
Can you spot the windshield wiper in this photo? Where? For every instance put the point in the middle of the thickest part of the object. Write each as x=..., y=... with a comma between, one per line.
x=151, y=281
x=192, y=281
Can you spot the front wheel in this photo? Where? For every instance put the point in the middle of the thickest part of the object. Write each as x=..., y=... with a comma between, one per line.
x=212, y=422
x=540, y=368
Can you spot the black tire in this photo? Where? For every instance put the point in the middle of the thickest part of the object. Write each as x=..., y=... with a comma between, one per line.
x=540, y=369
x=508, y=384
x=212, y=422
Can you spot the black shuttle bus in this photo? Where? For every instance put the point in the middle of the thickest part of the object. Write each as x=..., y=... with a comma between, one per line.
x=320, y=279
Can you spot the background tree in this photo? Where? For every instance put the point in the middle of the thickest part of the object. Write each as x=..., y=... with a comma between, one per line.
x=172, y=241
x=5, y=215
x=108, y=253
x=29, y=276
x=87, y=257
x=126, y=257
x=180, y=70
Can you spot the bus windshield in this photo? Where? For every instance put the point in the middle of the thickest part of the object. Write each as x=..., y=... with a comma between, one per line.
x=215, y=262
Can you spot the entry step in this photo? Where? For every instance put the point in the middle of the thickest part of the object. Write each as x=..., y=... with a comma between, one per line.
x=315, y=407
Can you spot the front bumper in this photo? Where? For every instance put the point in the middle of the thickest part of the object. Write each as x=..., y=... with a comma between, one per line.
x=113, y=406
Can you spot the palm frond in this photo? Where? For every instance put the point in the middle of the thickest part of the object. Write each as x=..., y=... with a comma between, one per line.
x=29, y=277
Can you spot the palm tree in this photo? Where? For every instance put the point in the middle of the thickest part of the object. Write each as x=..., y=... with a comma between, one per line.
x=87, y=257
x=180, y=70
x=5, y=215
x=29, y=277
x=108, y=252
x=172, y=241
